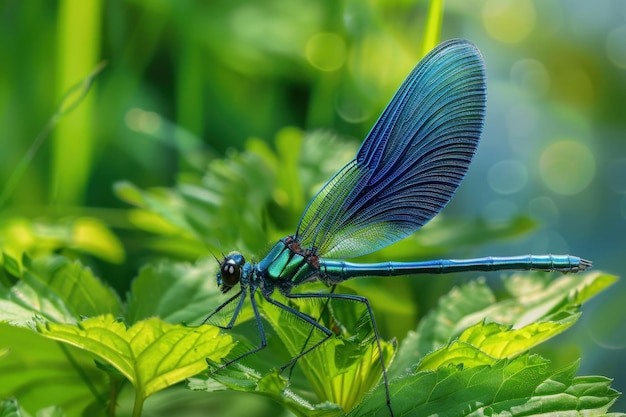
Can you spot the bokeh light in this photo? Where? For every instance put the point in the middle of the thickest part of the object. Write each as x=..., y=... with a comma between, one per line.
x=616, y=175
x=616, y=46
x=352, y=108
x=548, y=241
x=507, y=177
x=500, y=210
x=544, y=210
x=575, y=86
x=531, y=76
x=567, y=167
x=143, y=121
x=508, y=21
x=326, y=51
x=522, y=120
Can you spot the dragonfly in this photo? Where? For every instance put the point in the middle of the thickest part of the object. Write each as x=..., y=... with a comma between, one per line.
x=406, y=170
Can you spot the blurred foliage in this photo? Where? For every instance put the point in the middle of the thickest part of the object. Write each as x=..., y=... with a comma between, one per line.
x=214, y=120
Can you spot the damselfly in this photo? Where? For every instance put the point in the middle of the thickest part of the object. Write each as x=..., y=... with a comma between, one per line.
x=405, y=172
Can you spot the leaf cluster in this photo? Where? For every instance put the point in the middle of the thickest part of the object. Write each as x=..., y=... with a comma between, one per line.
x=71, y=345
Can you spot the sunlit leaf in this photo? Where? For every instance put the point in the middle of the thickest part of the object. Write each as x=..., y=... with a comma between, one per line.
x=520, y=387
x=92, y=236
x=151, y=354
x=495, y=341
x=439, y=326
x=537, y=296
x=87, y=235
x=540, y=307
x=340, y=370
x=130, y=193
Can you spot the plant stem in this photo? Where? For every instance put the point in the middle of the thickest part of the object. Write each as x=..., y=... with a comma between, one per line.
x=114, y=391
x=138, y=406
x=82, y=373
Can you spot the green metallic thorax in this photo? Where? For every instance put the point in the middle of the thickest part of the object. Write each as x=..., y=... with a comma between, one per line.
x=284, y=267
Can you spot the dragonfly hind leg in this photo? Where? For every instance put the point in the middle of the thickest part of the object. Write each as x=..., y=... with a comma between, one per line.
x=349, y=297
x=308, y=338
x=310, y=320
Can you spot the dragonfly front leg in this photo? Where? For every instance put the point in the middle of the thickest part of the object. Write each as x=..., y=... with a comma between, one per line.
x=231, y=323
x=259, y=323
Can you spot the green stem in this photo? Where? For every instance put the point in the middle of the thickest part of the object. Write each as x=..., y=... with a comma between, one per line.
x=138, y=406
x=83, y=374
x=432, y=28
x=69, y=102
x=113, y=393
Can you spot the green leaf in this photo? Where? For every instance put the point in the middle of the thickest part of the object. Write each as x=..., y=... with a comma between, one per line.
x=262, y=184
x=539, y=296
x=342, y=369
x=440, y=325
x=43, y=237
x=130, y=193
x=539, y=308
x=57, y=289
x=11, y=265
x=494, y=341
x=83, y=293
x=151, y=354
x=10, y=408
x=523, y=386
x=40, y=372
x=175, y=292
x=162, y=206
x=52, y=411
x=92, y=236
x=240, y=378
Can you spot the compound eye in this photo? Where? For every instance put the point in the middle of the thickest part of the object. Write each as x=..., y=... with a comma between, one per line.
x=230, y=271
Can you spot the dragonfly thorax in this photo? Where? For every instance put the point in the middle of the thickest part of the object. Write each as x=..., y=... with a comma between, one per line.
x=285, y=266
x=230, y=271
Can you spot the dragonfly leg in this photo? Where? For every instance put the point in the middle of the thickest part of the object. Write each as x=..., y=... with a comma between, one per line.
x=305, y=317
x=259, y=324
x=306, y=342
x=231, y=323
x=366, y=302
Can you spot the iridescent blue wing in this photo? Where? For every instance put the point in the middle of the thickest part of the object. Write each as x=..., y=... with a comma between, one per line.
x=410, y=164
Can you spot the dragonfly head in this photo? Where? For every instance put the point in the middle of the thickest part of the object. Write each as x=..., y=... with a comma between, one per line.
x=230, y=271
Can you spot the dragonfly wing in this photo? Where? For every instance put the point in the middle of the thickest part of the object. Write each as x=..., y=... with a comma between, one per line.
x=410, y=164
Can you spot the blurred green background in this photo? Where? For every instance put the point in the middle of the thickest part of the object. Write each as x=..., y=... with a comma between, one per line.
x=188, y=81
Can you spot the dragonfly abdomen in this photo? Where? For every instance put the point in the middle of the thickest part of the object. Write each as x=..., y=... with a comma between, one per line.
x=337, y=270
